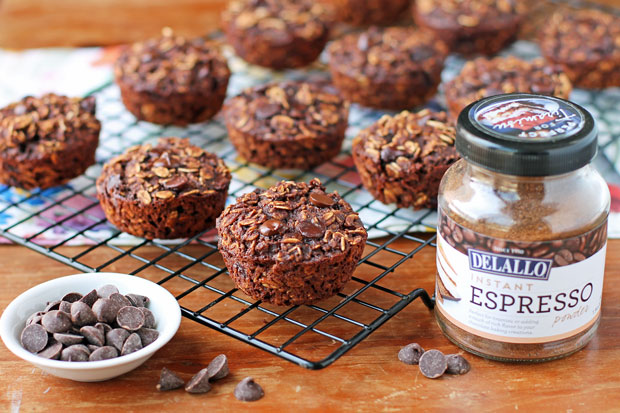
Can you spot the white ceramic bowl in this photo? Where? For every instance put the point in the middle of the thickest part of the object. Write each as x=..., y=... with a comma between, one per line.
x=164, y=306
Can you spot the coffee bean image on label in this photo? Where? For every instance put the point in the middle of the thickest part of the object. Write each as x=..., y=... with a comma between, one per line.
x=519, y=292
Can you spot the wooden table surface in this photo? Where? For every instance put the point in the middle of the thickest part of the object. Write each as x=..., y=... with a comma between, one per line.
x=368, y=378
x=44, y=23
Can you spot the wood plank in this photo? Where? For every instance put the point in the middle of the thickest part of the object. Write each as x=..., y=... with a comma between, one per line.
x=368, y=378
x=44, y=23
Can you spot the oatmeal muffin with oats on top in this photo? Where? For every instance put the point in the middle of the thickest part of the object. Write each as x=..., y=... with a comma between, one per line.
x=291, y=244
x=393, y=68
x=587, y=45
x=171, y=190
x=287, y=125
x=483, y=77
x=401, y=159
x=47, y=141
x=278, y=34
x=362, y=12
x=172, y=80
x=471, y=26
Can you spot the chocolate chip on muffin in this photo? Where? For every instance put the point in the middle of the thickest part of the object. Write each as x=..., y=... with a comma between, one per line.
x=288, y=124
x=484, y=77
x=291, y=244
x=172, y=80
x=365, y=12
x=587, y=45
x=394, y=68
x=278, y=34
x=471, y=26
x=401, y=159
x=47, y=141
x=170, y=190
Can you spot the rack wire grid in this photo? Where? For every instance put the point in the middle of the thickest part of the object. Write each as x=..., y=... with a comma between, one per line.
x=193, y=269
x=312, y=336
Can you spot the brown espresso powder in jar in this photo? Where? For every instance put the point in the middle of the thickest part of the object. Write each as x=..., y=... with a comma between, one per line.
x=522, y=230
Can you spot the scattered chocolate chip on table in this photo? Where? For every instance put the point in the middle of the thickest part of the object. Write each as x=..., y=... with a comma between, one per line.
x=411, y=353
x=218, y=367
x=433, y=364
x=457, y=364
x=248, y=390
x=199, y=383
x=169, y=380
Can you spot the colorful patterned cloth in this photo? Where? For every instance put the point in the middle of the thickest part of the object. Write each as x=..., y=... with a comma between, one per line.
x=70, y=214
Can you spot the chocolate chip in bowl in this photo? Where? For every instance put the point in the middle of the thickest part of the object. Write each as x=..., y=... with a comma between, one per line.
x=91, y=352
x=83, y=332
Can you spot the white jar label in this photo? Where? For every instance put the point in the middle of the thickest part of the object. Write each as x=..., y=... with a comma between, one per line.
x=519, y=292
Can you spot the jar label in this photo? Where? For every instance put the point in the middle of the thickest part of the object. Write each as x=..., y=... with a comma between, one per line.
x=519, y=292
x=527, y=118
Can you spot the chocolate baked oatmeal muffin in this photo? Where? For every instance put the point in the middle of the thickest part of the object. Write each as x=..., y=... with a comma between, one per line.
x=47, y=141
x=587, y=45
x=394, y=68
x=471, y=26
x=172, y=80
x=484, y=77
x=291, y=244
x=401, y=159
x=171, y=190
x=363, y=12
x=287, y=125
x=277, y=34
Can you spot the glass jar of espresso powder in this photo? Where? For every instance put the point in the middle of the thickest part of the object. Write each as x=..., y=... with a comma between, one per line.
x=522, y=230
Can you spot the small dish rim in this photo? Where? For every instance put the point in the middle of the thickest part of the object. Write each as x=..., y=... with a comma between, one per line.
x=173, y=321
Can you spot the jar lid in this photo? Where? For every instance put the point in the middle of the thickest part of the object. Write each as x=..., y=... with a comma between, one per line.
x=526, y=135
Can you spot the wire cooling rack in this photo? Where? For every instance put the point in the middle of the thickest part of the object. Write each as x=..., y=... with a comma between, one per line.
x=193, y=269
x=311, y=336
